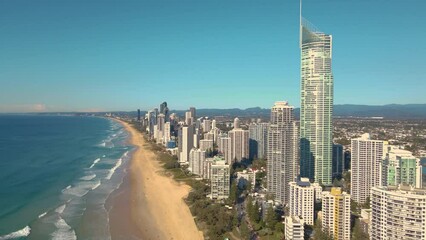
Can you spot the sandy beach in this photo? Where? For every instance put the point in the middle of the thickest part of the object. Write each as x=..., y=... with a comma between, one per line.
x=153, y=202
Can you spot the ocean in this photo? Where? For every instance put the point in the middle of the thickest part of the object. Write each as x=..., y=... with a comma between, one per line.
x=56, y=174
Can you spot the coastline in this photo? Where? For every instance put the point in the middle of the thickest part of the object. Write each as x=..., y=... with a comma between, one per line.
x=149, y=205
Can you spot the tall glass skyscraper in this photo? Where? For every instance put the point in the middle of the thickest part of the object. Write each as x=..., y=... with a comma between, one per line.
x=316, y=104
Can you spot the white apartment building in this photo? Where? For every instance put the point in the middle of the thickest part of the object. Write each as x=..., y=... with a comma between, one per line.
x=294, y=228
x=197, y=158
x=302, y=199
x=366, y=166
x=220, y=180
x=398, y=213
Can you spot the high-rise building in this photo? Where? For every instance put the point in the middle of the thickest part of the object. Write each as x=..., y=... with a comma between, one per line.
x=139, y=115
x=209, y=136
x=401, y=167
x=282, y=151
x=316, y=104
x=237, y=123
x=294, y=228
x=187, y=136
x=220, y=179
x=189, y=120
x=398, y=213
x=258, y=137
x=193, y=113
x=163, y=107
x=336, y=214
x=197, y=157
x=207, y=125
x=226, y=149
x=206, y=145
x=160, y=127
x=366, y=170
x=302, y=200
x=338, y=162
x=165, y=110
x=166, y=133
x=239, y=143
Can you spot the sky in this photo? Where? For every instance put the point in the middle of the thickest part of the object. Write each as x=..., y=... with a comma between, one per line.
x=124, y=55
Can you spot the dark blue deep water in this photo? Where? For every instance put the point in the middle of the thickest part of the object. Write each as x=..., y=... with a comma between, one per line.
x=56, y=173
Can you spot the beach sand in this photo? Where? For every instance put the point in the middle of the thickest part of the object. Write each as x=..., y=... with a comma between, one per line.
x=150, y=205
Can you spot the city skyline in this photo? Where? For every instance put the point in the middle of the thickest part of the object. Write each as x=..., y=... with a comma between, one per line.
x=91, y=57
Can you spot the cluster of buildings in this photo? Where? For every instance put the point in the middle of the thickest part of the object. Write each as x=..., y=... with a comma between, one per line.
x=199, y=144
x=302, y=160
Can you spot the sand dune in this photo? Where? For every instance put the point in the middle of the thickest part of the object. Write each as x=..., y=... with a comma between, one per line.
x=158, y=208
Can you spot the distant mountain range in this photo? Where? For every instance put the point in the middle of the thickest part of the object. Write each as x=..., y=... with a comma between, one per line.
x=391, y=111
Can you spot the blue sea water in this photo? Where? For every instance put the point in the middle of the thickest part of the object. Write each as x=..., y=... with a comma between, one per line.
x=56, y=173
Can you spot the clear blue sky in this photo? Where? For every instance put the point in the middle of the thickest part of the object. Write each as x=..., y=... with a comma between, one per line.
x=123, y=55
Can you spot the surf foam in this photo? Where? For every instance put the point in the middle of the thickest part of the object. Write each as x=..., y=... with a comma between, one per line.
x=18, y=234
x=112, y=170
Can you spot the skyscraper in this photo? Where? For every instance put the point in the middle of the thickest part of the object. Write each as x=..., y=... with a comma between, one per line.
x=282, y=151
x=226, y=149
x=258, y=135
x=366, y=171
x=239, y=142
x=139, y=114
x=338, y=160
x=316, y=104
x=193, y=113
x=187, y=142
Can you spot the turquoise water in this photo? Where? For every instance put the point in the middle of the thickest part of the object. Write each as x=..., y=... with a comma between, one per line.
x=56, y=173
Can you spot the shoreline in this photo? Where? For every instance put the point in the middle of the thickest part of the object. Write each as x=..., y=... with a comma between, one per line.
x=148, y=204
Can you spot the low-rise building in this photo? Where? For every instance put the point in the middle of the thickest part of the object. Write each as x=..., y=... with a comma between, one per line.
x=294, y=228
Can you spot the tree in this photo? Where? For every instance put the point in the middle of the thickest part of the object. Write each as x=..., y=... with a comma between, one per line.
x=358, y=233
x=233, y=193
x=319, y=233
x=271, y=218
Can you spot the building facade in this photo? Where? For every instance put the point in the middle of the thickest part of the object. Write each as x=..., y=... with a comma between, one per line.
x=197, y=157
x=294, y=228
x=258, y=137
x=398, y=213
x=336, y=213
x=401, y=167
x=366, y=157
x=187, y=142
x=220, y=180
x=282, y=151
x=225, y=148
x=302, y=199
x=239, y=144
x=316, y=104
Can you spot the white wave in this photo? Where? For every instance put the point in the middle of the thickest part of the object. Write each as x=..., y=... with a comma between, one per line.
x=82, y=188
x=112, y=170
x=96, y=161
x=64, y=231
x=103, y=156
x=88, y=177
x=125, y=154
x=42, y=215
x=18, y=234
x=65, y=189
x=60, y=209
x=97, y=185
